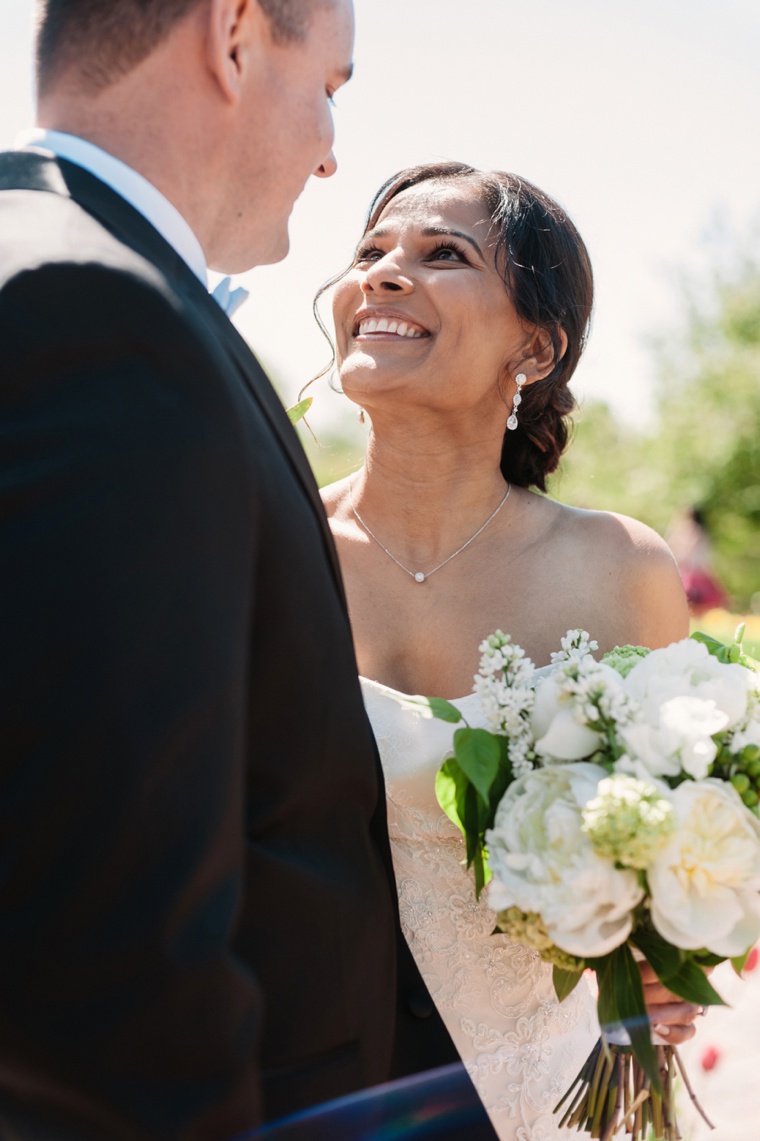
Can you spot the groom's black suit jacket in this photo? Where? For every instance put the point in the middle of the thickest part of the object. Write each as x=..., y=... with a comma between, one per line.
x=198, y=926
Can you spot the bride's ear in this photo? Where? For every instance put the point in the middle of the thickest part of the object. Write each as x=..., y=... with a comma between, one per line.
x=543, y=351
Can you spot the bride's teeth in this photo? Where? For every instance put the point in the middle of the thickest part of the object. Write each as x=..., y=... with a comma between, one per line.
x=387, y=325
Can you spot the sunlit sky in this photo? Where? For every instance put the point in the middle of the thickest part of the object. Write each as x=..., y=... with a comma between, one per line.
x=641, y=116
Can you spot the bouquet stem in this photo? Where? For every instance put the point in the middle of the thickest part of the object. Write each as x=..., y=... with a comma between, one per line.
x=612, y=1096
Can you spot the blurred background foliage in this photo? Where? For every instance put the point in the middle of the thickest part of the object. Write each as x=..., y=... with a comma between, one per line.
x=702, y=446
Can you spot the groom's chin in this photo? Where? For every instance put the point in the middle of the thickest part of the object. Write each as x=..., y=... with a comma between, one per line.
x=271, y=248
x=278, y=249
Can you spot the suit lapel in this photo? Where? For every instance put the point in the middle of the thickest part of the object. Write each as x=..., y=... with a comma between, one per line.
x=23, y=170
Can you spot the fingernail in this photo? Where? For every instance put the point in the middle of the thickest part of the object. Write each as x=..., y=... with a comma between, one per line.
x=661, y=1030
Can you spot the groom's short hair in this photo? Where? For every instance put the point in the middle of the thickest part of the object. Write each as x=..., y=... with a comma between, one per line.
x=104, y=39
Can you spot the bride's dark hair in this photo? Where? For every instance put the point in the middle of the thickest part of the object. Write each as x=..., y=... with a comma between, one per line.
x=547, y=273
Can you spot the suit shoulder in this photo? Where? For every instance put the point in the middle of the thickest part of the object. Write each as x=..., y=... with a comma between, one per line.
x=39, y=230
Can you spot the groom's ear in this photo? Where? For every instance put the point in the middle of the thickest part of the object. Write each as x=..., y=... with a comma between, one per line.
x=237, y=32
x=542, y=352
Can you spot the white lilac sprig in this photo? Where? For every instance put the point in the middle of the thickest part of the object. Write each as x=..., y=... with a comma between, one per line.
x=580, y=710
x=504, y=684
x=576, y=644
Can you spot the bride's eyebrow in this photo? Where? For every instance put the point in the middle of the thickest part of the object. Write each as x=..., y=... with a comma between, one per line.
x=429, y=232
x=436, y=231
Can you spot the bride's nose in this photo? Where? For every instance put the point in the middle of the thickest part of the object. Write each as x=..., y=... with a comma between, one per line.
x=386, y=275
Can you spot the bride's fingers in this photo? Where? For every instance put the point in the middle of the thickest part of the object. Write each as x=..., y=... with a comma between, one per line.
x=675, y=1034
x=673, y=1013
x=657, y=994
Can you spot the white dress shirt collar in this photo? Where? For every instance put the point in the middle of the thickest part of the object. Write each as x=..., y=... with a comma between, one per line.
x=135, y=189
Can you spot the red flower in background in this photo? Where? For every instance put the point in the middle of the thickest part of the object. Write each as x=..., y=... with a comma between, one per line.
x=751, y=962
x=710, y=1058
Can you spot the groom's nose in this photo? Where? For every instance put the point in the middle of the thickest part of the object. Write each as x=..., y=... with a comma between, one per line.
x=327, y=168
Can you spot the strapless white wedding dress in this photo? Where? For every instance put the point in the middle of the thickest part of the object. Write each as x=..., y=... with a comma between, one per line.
x=521, y=1047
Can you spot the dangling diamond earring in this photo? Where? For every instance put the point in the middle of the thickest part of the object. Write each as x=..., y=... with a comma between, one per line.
x=520, y=380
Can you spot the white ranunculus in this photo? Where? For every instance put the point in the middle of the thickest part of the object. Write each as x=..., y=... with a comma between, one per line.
x=558, y=720
x=542, y=862
x=705, y=882
x=686, y=669
x=680, y=737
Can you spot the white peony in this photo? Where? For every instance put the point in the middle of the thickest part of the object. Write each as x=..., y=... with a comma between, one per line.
x=542, y=862
x=705, y=882
x=686, y=669
x=561, y=712
x=679, y=739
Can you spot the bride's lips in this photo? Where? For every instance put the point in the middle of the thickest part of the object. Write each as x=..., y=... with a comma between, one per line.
x=386, y=325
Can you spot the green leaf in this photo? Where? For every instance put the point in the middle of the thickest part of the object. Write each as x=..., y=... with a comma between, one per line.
x=565, y=982
x=707, y=959
x=664, y=959
x=479, y=754
x=501, y=783
x=298, y=411
x=738, y=962
x=450, y=787
x=683, y=975
x=725, y=653
x=444, y=710
x=713, y=644
x=621, y=999
x=692, y=985
x=474, y=813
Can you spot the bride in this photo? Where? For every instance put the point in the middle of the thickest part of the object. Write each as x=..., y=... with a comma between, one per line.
x=458, y=327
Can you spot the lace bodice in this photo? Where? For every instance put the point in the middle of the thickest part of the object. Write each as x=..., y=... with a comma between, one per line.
x=521, y=1048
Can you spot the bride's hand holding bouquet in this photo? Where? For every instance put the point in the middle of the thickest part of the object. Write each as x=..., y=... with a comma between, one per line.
x=613, y=806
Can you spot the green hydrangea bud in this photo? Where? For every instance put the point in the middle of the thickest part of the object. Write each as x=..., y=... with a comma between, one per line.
x=624, y=658
x=740, y=781
x=628, y=821
x=528, y=928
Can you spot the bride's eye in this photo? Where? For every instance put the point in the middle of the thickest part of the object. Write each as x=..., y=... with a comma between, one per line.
x=447, y=251
x=367, y=254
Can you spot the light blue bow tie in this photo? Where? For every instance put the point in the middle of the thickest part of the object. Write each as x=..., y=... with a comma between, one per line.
x=230, y=300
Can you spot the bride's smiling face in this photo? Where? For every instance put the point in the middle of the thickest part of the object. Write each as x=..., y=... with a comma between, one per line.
x=423, y=313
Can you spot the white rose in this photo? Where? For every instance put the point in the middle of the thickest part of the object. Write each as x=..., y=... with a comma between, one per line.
x=543, y=862
x=559, y=718
x=680, y=738
x=686, y=669
x=705, y=882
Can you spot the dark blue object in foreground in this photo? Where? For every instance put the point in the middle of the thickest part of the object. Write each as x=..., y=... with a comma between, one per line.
x=440, y=1105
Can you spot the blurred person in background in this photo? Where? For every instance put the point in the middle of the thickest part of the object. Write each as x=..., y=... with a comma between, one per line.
x=688, y=539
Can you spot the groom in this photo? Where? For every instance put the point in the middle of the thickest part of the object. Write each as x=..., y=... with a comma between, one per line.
x=198, y=926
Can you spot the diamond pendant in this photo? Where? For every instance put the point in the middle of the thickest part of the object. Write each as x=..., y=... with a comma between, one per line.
x=512, y=422
x=419, y=577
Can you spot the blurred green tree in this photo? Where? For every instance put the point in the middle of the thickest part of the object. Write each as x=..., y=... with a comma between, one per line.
x=705, y=447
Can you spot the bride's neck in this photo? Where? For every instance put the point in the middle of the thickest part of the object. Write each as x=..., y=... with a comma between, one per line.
x=425, y=494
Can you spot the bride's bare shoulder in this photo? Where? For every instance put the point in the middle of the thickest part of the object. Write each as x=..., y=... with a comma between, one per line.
x=618, y=537
x=629, y=559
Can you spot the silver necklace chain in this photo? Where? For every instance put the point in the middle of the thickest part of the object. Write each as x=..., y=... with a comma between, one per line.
x=419, y=576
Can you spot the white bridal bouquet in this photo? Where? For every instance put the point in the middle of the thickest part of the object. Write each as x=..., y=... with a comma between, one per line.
x=613, y=806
